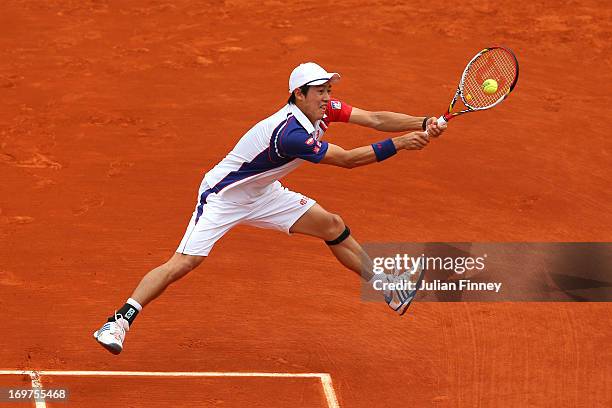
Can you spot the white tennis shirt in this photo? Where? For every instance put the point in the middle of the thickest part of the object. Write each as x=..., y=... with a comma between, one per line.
x=271, y=149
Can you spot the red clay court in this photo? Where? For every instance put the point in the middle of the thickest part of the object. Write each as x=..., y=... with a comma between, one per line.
x=111, y=112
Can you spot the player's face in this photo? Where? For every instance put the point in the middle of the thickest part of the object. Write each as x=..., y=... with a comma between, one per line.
x=315, y=101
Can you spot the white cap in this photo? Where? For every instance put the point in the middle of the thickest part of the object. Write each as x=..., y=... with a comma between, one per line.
x=310, y=73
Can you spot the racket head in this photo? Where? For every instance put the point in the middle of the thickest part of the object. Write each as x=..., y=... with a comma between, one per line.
x=498, y=63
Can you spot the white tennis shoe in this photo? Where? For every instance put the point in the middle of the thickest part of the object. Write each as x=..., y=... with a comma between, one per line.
x=112, y=334
x=400, y=290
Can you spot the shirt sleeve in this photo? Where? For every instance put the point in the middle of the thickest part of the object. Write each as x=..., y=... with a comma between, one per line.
x=299, y=144
x=338, y=111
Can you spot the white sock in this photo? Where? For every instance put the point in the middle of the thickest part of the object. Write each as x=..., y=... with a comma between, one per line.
x=134, y=303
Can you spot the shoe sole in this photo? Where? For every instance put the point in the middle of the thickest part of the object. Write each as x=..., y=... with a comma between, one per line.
x=113, y=348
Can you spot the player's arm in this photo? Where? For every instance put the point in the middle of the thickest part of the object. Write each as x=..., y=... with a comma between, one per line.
x=394, y=122
x=337, y=156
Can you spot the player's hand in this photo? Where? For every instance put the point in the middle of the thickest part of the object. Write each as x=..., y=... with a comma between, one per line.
x=433, y=129
x=414, y=140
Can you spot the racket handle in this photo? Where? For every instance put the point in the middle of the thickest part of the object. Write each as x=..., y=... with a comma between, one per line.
x=441, y=121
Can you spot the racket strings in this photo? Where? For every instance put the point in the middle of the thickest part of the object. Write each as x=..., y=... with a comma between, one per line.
x=498, y=64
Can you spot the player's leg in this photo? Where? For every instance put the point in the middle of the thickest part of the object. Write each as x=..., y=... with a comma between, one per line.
x=157, y=280
x=398, y=289
x=112, y=334
x=291, y=212
x=211, y=220
x=320, y=223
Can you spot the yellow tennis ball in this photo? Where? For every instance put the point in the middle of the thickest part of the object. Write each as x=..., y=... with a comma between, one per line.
x=468, y=97
x=489, y=86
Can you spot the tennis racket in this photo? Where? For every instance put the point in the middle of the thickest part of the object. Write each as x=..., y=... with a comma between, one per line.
x=494, y=63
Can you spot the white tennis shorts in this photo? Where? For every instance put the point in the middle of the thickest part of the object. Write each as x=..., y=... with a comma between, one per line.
x=278, y=209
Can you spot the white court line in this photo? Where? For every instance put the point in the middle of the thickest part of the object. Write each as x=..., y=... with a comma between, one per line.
x=328, y=388
x=36, y=385
x=326, y=381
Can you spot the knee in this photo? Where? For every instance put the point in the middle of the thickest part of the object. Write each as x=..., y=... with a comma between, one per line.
x=335, y=227
x=180, y=265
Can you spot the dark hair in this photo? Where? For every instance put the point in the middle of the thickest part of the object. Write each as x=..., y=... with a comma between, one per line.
x=304, y=89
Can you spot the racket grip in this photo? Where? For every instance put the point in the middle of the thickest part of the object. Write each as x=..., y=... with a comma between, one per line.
x=441, y=121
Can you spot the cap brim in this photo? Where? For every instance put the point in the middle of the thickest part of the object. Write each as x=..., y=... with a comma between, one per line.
x=333, y=77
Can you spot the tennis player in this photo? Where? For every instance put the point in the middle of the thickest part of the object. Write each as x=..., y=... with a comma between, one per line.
x=244, y=188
